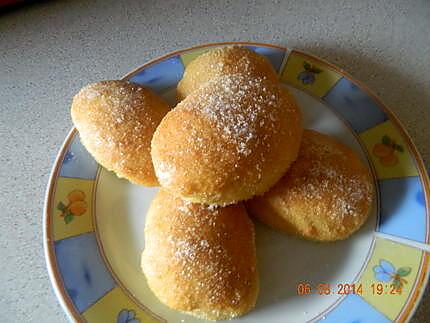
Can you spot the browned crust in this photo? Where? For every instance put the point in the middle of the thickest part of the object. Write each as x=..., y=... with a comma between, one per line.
x=116, y=121
x=223, y=61
x=200, y=260
x=219, y=147
x=326, y=195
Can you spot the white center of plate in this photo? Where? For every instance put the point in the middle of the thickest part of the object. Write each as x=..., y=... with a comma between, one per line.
x=283, y=262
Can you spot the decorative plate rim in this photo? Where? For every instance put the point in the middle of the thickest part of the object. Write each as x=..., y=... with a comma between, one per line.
x=49, y=252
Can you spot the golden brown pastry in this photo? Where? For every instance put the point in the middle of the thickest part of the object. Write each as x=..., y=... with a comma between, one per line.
x=116, y=121
x=230, y=140
x=223, y=61
x=200, y=260
x=326, y=195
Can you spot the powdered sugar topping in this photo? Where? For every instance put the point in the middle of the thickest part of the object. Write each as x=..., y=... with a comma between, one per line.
x=322, y=173
x=238, y=106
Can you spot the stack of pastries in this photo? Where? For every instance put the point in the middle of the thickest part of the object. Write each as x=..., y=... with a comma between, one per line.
x=234, y=145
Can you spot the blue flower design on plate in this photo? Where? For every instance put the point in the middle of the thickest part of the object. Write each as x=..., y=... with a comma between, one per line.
x=68, y=157
x=77, y=162
x=386, y=272
x=127, y=316
x=308, y=75
x=420, y=198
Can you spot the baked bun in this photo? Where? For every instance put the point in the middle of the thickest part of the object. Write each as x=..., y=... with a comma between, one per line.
x=200, y=260
x=116, y=121
x=230, y=140
x=223, y=61
x=326, y=195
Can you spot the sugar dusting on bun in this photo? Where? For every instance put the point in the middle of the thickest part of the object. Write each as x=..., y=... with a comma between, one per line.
x=325, y=196
x=116, y=121
x=224, y=61
x=199, y=259
x=230, y=140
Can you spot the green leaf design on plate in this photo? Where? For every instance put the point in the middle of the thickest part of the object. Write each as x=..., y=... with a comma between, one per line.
x=306, y=65
x=386, y=140
x=68, y=218
x=396, y=283
x=61, y=206
x=316, y=70
x=404, y=271
x=399, y=148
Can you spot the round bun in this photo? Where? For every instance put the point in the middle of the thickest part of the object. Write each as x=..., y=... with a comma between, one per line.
x=200, y=260
x=228, y=141
x=325, y=196
x=223, y=61
x=116, y=121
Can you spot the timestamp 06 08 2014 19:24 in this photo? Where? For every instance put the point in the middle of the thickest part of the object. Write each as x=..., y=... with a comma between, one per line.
x=304, y=289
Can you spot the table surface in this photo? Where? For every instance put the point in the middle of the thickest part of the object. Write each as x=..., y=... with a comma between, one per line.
x=50, y=49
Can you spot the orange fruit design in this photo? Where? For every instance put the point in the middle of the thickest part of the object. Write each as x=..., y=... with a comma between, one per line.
x=385, y=151
x=381, y=150
x=76, y=195
x=389, y=160
x=78, y=208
